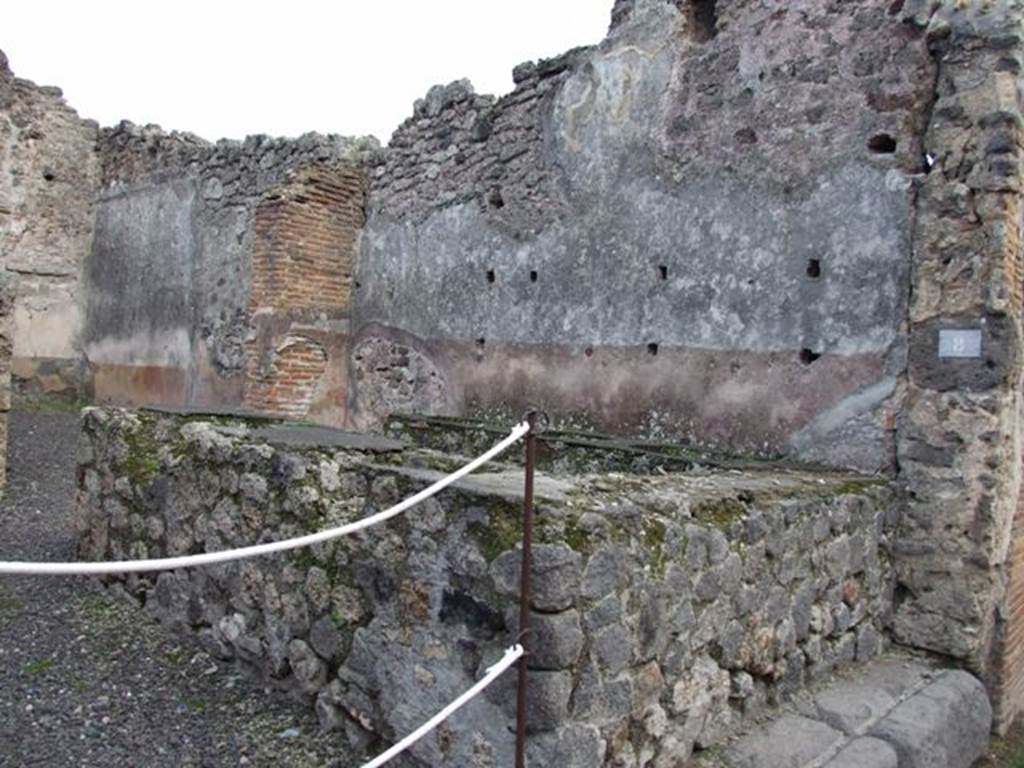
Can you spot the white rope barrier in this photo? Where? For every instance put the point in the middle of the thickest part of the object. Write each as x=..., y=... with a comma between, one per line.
x=493, y=672
x=210, y=558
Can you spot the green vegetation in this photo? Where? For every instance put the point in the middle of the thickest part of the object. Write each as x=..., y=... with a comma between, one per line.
x=142, y=463
x=174, y=657
x=503, y=529
x=38, y=666
x=47, y=404
x=196, y=705
x=1006, y=751
x=98, y=609
x=8, y=603
x=576, y=537
x=858, y=486
x=654, y=538
x=721, y=512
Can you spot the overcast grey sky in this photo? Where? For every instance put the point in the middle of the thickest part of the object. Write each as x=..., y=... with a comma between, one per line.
x=227, y=69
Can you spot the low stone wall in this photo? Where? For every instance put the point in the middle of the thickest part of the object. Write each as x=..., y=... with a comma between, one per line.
x=666, y=607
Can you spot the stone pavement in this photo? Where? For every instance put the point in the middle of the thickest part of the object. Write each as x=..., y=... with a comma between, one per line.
x=892, y=713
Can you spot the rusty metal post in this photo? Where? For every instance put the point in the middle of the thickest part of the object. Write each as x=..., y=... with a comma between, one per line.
x=524, y=589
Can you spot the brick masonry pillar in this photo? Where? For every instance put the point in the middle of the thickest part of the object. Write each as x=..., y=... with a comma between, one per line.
x=306, y=236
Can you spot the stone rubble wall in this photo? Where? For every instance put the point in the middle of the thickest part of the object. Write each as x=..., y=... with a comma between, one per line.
x=959, y=550
x=49, y=173
x=666, y=608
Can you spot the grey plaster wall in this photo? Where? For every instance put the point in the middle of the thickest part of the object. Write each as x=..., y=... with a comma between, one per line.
x=715, y=199
x=140, y=276
x=736, y=260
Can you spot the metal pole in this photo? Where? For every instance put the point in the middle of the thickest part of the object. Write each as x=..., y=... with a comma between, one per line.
x=524, y=590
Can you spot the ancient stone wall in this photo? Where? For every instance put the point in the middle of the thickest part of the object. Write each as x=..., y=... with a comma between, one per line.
x=959, y=548
x=667, y=606
x=212, y=260
x=8, y=294
x=760, y=227
x=48, y=178
x=700, y=227
x=749, y=226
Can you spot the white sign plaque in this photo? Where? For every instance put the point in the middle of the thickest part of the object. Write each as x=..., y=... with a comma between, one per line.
x=966, y=343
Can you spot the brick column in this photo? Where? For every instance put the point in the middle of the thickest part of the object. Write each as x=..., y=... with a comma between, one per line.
x=305, y=242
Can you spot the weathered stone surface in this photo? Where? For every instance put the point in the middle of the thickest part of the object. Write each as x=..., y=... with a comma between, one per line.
x=789, y=742
x=557, y=640
x=326, y=639
x=890, y=712
x=604, y=573
x=865, y=752
x=309, y=671
x=959, y=429
x=8, y=292
x=896, y=677
x=548, y=700
x=572, y=747
x=851, y=707
x=556, y=577
x=946, y=724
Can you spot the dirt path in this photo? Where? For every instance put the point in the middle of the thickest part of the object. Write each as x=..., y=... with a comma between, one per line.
x=86, y=679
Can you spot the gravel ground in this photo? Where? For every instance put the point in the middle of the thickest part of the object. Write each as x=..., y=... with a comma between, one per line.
x=87, y=679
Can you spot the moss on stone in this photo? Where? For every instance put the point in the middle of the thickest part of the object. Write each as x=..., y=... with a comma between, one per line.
x=142, y=464
x=654, y=540
x=577, y=539
x=856, y=487
x=502, y=531
x=304, y=559
x=47, y=403
x=720, y=512
x=818, y=489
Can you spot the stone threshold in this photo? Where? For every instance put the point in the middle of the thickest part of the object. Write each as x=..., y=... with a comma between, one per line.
x=894, y=712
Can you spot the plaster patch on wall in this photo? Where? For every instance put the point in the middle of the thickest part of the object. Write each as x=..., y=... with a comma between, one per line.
x=390, y=377
x=47, y=317
x=171, y=348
